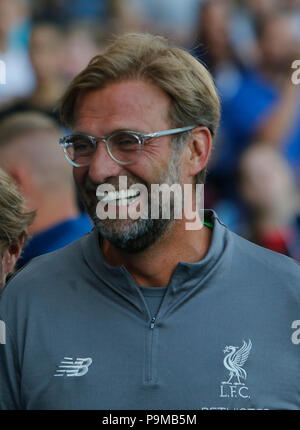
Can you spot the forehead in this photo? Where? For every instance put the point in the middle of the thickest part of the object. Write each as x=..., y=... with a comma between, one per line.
x=134, y=104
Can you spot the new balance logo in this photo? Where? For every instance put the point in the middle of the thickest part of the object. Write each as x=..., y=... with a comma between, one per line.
x=71, y=367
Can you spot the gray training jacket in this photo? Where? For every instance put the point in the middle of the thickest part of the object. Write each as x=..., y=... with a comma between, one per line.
x=79, y=334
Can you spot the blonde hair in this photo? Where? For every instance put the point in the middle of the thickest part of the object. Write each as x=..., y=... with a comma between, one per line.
x=14, y=219
x=194, y=99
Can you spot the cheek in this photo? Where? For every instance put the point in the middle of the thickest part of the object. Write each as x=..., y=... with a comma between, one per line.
x=153, y=163
x=149, y=173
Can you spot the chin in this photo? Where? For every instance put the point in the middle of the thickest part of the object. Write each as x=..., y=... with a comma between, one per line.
x=136, y=237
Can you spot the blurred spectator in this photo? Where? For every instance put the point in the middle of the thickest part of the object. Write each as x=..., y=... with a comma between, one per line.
x=293, y=6
x=266, y=106
x=21, y=28
x=214, y=48
x=81, y=43
x=268, y=190
x=14, y=222
x=30, y=153
x=46, y=53
x=19, y=73
x=64, y=11
x=175, y=19
x=244, y=15
x=280, y=122
x=213, y=45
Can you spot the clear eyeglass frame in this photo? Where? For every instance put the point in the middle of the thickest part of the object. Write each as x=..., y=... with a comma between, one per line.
x=66, y=142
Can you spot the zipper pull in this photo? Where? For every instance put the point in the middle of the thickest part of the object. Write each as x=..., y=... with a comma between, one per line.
x=152, y=322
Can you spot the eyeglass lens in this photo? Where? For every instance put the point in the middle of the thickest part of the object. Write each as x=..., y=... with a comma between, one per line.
x=123, y=146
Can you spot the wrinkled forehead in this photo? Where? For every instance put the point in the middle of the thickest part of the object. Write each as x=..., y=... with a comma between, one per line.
x=127, y=104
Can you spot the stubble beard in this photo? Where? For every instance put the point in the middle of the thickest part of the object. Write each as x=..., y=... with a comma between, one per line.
x=133, y=236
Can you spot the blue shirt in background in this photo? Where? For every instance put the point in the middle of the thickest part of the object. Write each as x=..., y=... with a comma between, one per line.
x=56, y=237
x=244, y=113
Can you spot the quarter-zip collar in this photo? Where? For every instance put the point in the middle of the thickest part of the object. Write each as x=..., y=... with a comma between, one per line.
x=185, y=278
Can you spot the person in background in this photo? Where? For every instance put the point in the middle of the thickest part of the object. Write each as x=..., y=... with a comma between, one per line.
x=14, y=223
x=244, y=15
x=30, y=154
x=46, y=54
x=66, y=11
x=266, y=106
x=21, y=28
x=174, y=19
x=267, y=188
x=279, y=101
x=213, y=45
x=81, y=43
x=19, y=73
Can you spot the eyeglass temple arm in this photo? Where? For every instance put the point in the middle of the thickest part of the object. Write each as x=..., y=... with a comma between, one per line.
x=168, y=132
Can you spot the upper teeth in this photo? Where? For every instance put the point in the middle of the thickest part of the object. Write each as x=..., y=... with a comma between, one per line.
x=115, y=195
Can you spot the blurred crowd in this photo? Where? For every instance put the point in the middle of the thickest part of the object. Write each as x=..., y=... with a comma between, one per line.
x=248, y=46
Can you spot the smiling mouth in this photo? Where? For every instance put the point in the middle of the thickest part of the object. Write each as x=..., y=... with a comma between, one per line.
x=119, y=198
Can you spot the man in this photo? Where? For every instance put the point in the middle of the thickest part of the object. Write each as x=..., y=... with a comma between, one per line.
x=265, y=106
x=268, y=191
x=144, y=313
x=29, y=154
x=14, y=222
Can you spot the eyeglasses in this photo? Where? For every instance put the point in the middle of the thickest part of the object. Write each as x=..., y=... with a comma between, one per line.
x=124, y=147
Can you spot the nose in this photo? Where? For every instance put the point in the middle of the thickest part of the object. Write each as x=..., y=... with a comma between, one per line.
x=102, y=165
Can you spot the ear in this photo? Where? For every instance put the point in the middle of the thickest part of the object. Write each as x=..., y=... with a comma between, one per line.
x=11, y=256
x=198, y=150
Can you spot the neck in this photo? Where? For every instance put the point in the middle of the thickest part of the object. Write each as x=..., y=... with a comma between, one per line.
x=154, y=266
x=53, y=210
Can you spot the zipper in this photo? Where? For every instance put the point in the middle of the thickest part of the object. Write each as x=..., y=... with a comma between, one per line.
x=152, y=325
x=149, y=353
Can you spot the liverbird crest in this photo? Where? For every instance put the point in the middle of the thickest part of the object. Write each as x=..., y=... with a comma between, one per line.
x=234, y=361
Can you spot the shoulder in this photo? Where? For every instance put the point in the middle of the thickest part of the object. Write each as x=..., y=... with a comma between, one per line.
x=255, y=261
x=47, y=273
